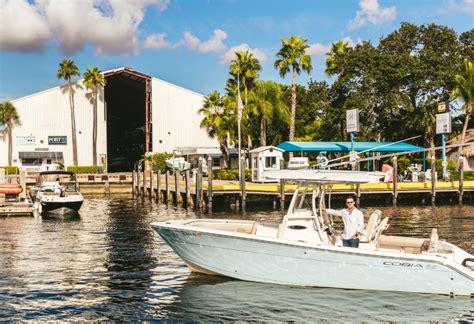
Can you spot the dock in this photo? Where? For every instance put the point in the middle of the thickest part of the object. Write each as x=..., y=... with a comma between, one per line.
x=10, y=209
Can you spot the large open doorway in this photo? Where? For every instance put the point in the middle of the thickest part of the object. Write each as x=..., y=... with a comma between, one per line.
x=127, y=105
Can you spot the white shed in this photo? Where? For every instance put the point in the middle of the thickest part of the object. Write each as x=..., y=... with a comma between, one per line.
x=265, y=158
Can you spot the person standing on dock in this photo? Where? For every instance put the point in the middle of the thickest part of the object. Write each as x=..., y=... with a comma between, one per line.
x=353, y=222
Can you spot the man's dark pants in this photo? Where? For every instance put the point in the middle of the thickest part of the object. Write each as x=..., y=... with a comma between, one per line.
x=351, y=243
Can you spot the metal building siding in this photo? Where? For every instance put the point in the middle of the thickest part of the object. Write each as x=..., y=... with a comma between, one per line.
x=47, y=113
x=176, y=119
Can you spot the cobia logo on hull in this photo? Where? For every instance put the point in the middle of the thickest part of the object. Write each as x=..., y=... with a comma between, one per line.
x=402, y=264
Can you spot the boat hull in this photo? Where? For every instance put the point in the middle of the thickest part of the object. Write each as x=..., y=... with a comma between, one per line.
x=247, y=257
x=57, y=205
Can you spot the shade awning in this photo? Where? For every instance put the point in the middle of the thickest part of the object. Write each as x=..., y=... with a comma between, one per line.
x=346, y=146
x=41, y=155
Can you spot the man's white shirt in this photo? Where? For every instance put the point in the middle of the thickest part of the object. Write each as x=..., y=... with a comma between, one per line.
x=353, y=222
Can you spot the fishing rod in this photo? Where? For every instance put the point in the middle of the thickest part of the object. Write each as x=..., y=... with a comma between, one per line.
x=371, y=149
x=401, y=153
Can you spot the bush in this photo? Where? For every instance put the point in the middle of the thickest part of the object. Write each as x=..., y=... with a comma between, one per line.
x=10, y=169
x=158, y=161
x=230, y=174
x=468, y=175
x=85, y=169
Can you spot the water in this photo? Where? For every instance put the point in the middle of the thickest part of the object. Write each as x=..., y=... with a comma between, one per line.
x=108, y=264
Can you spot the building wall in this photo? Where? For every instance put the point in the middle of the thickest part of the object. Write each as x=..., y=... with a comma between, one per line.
x=175, y=118
x=47, y=113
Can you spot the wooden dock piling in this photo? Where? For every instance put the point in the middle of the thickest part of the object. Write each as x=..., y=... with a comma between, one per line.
x=177, y=194
x=395, y=179
x=167, y=186
x=152, y=186
x=461, y=177
x=243, y=194
x=209, y=184
x=433, y=179
x=144, y=179
x=282, y=194
x=159, y=194
x=189, y=200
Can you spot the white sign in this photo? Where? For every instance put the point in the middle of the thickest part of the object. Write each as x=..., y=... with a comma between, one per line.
x=352, y=120
x=25, y=140
x=443, y=123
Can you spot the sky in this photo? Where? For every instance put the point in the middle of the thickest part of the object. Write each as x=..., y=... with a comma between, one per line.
x=191, y=42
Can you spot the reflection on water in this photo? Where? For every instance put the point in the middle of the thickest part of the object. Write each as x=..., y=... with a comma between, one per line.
x=107, y=263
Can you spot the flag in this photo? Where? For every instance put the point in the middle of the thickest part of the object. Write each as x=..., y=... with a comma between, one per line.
x=240, y=107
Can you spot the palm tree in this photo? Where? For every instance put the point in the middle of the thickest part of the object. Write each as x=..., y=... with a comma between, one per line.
x=219, y=121
x=464, y=90
x=293, y=54
x=266, y=101
x=9, y=117
x=68, y=69
x=94, y=80
x=334, y=57
x=247, y=68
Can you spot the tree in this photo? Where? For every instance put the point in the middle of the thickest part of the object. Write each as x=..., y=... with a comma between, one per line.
x=265, y=102
x=293, y=54
x=9, y=117
x=464, y=90
x=335, y=57
x=245, y=67
x=219, y=121
x=67, y=69
x=94, y=80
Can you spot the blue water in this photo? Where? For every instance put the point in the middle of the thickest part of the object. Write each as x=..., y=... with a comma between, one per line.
x=108, y=264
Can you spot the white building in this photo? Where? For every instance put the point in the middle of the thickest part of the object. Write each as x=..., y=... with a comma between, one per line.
x=137, y=113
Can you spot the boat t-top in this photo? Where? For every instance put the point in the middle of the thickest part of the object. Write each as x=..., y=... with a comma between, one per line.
x=57, y=191
x=304, y=249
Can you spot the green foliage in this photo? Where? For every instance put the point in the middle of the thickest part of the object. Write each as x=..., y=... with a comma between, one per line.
x=230, y=174
x=61, y=166
x=85, y=169
x=10, y=169
x=158, y=161
x=468, y=175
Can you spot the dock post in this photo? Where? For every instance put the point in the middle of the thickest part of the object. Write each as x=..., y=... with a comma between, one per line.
x=145, y=169
x=461, y=177
x=152, y=187
x=187, y=176
x=23, y=184
x=358, y=194
x=167, y=184
x=209, y=184
x=199, y=190
x=177, y=194
x=433, y=179
x=395, y=179
x=134, y=182
x=282, y=194
x=159, y=195
x=242, y=184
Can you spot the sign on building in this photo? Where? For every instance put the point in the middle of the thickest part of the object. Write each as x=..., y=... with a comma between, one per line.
x=352, y=120
x=443, y=123
x=57, y=140
x=25, y=140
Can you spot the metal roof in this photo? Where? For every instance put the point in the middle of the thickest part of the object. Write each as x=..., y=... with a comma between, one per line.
x=346, y=146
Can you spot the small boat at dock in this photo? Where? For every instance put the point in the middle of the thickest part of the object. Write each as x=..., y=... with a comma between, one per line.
x=305, y=249
x=52, y=195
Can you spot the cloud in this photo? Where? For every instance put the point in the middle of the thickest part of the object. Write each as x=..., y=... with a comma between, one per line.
x=318, y=49
x=157, y=41
x=372, y=13
x=463, y=6
x=229, y=55
x=215, y=44
x=26, y=34
x=110, y=25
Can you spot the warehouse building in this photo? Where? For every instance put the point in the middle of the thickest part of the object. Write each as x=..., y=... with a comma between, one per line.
x=137, y=113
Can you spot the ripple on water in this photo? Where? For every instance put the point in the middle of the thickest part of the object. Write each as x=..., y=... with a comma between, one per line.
x=108, y=264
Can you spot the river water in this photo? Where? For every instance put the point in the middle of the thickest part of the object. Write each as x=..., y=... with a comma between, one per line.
x=108, y=264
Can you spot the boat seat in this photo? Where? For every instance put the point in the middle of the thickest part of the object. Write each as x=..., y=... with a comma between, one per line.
x=371, y=227
x=401, y=243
